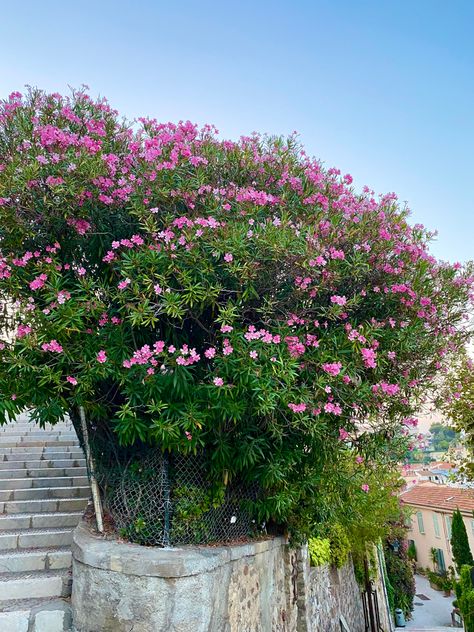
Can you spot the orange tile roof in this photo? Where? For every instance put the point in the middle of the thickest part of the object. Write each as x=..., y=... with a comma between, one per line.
x=439, y=497
x=440, y=465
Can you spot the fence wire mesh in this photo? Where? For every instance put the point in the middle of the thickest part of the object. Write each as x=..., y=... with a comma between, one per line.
x=157, y=499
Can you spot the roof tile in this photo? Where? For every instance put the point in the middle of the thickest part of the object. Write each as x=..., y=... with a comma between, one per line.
x=440, y=497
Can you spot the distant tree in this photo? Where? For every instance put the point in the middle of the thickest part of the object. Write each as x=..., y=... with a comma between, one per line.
x=441, y=437
x=460, y=544
x=457, y=402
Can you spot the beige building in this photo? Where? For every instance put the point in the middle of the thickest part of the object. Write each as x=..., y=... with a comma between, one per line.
x=433, y=507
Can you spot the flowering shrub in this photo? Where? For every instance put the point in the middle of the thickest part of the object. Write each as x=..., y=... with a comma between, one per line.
x=201, y=295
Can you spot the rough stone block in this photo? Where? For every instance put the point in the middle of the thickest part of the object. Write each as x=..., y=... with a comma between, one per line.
x=49, y=621
x=14, y=621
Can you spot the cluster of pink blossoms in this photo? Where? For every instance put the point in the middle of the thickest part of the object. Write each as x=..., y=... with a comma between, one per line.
x=369, y=357
x=332, y=368
x=53, y=345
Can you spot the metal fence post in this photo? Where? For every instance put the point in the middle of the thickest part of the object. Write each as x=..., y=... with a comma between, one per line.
x=90, y=469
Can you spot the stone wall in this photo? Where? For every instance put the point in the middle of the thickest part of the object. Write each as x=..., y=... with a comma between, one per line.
x=256, y=587
x=327, y=593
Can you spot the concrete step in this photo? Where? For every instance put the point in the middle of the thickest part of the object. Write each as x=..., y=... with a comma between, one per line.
x=42, y=559
x=47, y=471
x=57, y=520
x=35, y=538
x=36, y=615
x=14, y=442
x=34, y=427
x=5, y=442
x=54, y=481
x=41, y=455
x=20, y=449
x=34, y=431
x=39, y=584
x=44, y=506
x=36, y=493
x=37, y=465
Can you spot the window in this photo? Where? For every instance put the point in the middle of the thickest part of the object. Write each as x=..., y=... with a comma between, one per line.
x=421, y=526
x=440, y=556
x=436, y=525
x=472, y=526
x=448, y=526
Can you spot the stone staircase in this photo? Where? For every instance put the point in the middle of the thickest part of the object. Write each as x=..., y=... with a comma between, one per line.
x=44, y=491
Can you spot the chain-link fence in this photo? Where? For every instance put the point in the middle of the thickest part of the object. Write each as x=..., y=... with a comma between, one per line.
x=159, y=499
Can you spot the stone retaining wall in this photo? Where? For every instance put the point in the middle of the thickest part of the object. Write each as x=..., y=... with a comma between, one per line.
x=256, y=587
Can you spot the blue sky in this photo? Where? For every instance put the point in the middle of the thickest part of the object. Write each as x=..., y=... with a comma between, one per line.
x=382, y=89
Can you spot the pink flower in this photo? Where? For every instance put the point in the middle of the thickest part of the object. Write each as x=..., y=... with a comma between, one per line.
x=71, y=380
x=158, y=289
x=228, y=257
x=188, y=435
x=226, y=329
x=253, y=355
x=332, y=368
x=359, y=459
x=365, y=487
x=218, y=381
x=369, y=358
x=13, y=396
x=338, y=300
x=332, y=408
x=210, y=353
x=101, y=357
x=123, y=284
x=53, y=345
x=297, y=408
x=343, y=434
x=22, y=331
x=38, y=282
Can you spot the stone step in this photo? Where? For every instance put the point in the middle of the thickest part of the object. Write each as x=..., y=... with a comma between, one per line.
x=42, y=463
x=44, y=506
x=35, y=473
x=39, y=584
x=35, y=429
x=35, y=615
x=39, y=434
x=39, y=450
x=42, y=456
x=57, y=520
x=32, y=443
x=35, y=493
x=429, y=629
x=35, y=560
x=36, y=538
x=54, y=481
x=28, y=427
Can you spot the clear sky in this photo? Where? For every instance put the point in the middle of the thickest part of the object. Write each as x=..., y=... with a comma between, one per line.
x=382, y=89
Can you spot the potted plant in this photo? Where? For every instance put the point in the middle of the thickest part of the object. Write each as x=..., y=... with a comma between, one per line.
x=447, y=586
x=436, y=580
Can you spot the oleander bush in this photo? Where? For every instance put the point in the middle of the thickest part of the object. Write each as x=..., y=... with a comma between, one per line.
x=234, y=300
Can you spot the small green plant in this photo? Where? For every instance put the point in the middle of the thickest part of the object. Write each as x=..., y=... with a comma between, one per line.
x=411, y=552
x=340, y=545
x=319, y=551
x=434, y=558
x=438, y=580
